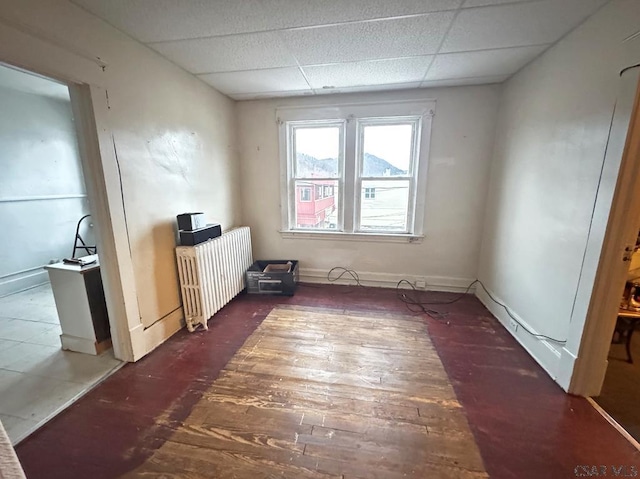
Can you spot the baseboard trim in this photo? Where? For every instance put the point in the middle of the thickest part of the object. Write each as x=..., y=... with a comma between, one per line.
x=160, y=331
x=388, y=280
x=585, y=382
x=84, y=345
x=543, y=351
x=22, y=281
x=565, y=370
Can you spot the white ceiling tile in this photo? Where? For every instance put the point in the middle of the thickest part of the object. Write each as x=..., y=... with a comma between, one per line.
x=380, y=72
x=366, y=88
x=465, y=81
x=162, y=20
x=274, y=94
x=516, y=24
x=364, y=45
x=482, y=3
x=237, y=52
x=505, y=61
x=299, y=13
x=257, y=81
x=369, y=40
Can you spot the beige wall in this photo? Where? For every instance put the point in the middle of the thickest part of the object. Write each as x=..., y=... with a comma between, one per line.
x=552, y=134
x=174, y=136
x=461, y=146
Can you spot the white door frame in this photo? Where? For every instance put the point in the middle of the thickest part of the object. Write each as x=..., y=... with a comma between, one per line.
x=590, y=339
x=104, y=189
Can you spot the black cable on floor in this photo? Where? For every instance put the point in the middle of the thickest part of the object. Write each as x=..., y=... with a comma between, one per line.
x=412, y=301
x=415, y=305
x=343, y=271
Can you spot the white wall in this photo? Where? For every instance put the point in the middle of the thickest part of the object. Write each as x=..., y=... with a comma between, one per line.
x=461, y=147
x=552, y=133
x=174, y=138
x=42, y=194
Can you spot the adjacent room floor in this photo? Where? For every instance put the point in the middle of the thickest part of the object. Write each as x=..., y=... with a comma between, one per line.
x=620, y=395
x=37, y=378
x=524, y=425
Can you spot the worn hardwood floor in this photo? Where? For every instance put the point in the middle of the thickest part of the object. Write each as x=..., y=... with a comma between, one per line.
x=525, y=426
x=326, y=393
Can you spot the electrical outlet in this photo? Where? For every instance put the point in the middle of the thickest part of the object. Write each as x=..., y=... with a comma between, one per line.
x=421, y=284
x=513, y=325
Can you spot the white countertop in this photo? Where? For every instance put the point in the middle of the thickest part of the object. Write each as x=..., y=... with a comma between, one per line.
x=75, y=267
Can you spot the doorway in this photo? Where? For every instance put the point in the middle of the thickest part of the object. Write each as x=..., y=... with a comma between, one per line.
x=604, y=312
x=620, y=395
x=42, y=198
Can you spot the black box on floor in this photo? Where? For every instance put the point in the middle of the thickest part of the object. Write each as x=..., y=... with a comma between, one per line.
x=279, y=277
x=192, y=238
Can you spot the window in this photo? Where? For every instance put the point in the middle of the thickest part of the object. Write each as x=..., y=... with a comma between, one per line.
x=365, y=164
x=305, y=194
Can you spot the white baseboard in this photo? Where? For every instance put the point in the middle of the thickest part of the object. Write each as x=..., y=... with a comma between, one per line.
x=387, y=280
x=81, y=345
x=160, y=331
x=14, y=283
x=586, y=383
x=544, y=352
x=144, y=340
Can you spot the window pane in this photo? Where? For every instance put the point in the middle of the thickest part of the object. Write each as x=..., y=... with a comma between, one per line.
x=317, y=204
x=387, y=150
x=317, y=151
x=383, y=205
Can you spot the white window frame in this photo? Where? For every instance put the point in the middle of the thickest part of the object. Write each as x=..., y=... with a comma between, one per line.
x=415, y=121
x=288, y=202
x=354, y=117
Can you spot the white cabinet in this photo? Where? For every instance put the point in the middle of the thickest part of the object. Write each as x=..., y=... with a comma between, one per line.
x=81, y=306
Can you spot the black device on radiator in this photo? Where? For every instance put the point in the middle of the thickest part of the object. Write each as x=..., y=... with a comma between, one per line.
x=194, y=237
x=191, y=221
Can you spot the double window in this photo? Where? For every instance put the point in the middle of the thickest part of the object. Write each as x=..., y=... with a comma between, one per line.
x=355, y=169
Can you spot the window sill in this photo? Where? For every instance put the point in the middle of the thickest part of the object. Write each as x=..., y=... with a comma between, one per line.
x=339, y=236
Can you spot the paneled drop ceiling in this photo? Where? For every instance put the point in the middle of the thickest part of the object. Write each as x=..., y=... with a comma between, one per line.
x=271, y=48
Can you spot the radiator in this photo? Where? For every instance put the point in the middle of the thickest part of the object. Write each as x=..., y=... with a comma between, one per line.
x=212, y=274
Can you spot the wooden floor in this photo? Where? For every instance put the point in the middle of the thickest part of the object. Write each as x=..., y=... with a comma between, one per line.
x=525, y=426
x=326, y=393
